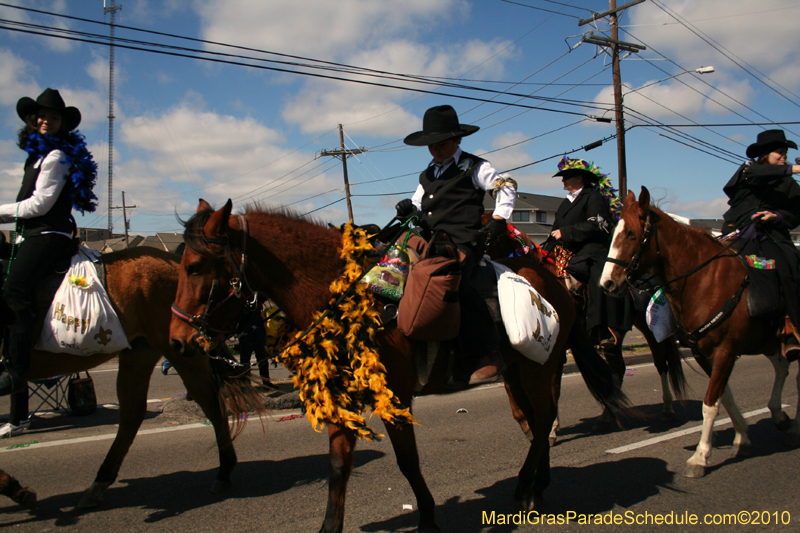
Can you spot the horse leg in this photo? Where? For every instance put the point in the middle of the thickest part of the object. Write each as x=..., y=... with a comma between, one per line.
x=741, y=442
x=781, y=366
x=533, y=393
x=404, y=443
x=613, y=355
x=519, y=416
x=554, y=431
x=659, y=351
x=340, y=465
x=22, y=495
x=195, y=372
x=133, y=380
x=720, y=371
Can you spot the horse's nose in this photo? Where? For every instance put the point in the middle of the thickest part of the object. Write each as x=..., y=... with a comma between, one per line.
x=177, y=346
x=609, y=285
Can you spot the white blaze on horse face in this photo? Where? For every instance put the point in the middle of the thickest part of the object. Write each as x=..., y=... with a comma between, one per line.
x=615, y=252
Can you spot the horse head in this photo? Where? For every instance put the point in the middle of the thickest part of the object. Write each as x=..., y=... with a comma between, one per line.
x=630, y=254
x=210, y=278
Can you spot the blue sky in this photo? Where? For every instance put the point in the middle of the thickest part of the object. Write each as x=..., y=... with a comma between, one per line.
x=187, y=129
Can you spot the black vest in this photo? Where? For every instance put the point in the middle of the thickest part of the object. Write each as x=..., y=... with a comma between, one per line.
x=451, y=202
x=58, y=218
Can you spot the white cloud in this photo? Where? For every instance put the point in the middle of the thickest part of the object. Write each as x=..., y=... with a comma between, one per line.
x=16, y=78
x=742, y=27
x=320, y=29
x=699, y=209
x=190, y=152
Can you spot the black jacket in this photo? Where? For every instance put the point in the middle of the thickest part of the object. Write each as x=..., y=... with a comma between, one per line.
x=58, y=218
x=581, y=232
x=756, y=187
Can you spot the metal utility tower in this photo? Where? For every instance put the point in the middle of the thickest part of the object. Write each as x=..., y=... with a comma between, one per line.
x=113, y=10
x=343, y=154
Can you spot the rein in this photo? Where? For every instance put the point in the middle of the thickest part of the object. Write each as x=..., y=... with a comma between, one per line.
x=239, y=286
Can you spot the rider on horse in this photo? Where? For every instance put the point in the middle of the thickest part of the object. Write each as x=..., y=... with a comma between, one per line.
x=764, y=205
x=59, y=175
x=580, y=239
x=450, y=198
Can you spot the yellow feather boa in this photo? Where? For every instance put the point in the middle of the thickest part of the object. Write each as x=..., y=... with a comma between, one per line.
x=336, y=365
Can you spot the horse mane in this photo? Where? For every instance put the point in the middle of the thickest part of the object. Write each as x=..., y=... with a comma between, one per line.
x=688, y=230
x=193, y=234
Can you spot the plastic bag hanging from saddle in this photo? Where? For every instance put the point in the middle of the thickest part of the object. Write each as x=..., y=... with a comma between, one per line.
x=81, y=320
x=659, y=316
x=388, y=277
x=531, y=322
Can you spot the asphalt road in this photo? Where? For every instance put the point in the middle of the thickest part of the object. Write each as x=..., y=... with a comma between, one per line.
x=470, y=460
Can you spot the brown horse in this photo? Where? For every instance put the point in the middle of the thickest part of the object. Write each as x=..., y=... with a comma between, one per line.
x=666, y=354
x=294, y=262
x=140, y=284
x=646, y=239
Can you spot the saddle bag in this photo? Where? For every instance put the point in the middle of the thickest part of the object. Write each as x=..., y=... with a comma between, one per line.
x=430, y=309
x=764, y=292
x=81, y=397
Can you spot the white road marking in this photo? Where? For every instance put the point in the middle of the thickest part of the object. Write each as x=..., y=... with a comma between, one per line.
x=37, y=445
x=675, y=435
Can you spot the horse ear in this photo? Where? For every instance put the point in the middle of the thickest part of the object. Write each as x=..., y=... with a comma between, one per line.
x=644, y=198
x=218, y=222
x=630, y=198
x=203, y=206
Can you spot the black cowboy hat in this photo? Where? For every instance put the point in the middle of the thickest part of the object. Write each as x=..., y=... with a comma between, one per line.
x=768, y=141
x=439, y=124
x=50, y=99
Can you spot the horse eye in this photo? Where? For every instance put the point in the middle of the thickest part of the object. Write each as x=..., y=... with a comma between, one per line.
x=630, y=234
x=194, y=268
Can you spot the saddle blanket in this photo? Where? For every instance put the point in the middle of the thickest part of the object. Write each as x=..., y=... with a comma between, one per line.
x=531, y=322
x=81, y=319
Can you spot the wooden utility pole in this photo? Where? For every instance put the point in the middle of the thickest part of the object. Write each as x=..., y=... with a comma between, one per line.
x=621, y=160
x=125, y=215
x=616, y=46
x=343, y=154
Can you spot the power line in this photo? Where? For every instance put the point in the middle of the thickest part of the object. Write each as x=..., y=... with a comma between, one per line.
x=719, y=48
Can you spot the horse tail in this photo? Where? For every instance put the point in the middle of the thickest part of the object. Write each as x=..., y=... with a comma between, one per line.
x=675, y=368
x=595, y=371
x=237, y=397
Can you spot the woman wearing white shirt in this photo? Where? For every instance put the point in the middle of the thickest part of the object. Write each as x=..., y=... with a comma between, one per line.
x=59, y=176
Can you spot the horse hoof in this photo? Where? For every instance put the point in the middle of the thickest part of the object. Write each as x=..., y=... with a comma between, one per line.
x=220, y=486
x=26, y=498
x=694, y=471
x=524, y=506
x=668, y=418
x=552, y=441
x=782, y=421
x=744, y=450
x=93, y=496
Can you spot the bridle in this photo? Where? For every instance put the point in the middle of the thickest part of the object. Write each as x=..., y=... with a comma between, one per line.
x=239, y=286
x=630, y=267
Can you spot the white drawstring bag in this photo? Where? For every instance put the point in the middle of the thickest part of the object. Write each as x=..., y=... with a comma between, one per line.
x=531, y=322
x=81, y=320
x=659, y=316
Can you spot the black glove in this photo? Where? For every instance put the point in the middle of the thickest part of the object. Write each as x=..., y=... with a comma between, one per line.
x=404, y=208
x=496, y=227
